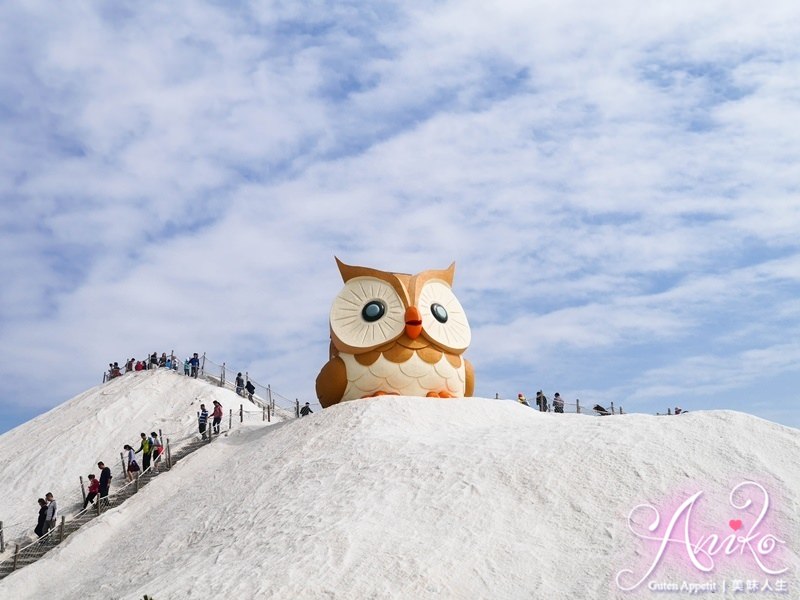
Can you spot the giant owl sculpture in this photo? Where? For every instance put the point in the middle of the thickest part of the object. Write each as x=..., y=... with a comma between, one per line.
x=393, y=333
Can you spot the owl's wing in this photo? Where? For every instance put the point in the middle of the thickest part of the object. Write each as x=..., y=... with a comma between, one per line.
x=331, y=382
x=469, y=377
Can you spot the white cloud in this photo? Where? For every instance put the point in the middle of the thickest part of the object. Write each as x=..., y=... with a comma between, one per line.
x=617, y=184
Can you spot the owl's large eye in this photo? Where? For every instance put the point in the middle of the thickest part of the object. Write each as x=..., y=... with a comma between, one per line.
x=373, y=311
x=443, y=317
x=368, y=312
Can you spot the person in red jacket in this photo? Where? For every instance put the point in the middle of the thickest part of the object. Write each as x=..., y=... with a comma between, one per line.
x=94, y=488
x=217, y=416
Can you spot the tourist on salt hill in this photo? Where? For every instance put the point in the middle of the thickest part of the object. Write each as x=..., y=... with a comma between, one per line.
x=41, y=523
x=133, y=466
x=94, y=488
x=153, y=360
x=217, y=415
x=239, y=384
x=105, y=481
x=306, y=410
x=162, y=362
x=129, y=365
x=186, y=367
x=146, y=448
x=169, y=363
x=202, y=419
x=558, y=403
x=521, y=399
x=158, y=450
x=251, y=389
x=194, y=362
x=52, y=510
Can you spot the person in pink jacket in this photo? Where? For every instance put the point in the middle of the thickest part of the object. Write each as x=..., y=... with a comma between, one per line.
x=217, y=416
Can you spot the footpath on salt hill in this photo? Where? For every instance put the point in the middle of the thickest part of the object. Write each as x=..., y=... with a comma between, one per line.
x=422, y=498
x=57, y=449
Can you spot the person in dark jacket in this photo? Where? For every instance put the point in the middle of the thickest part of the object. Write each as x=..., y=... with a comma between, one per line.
x=194, y=362
x=306, y=410
x=239, y=384
x=41, y=523
x=251, y=389
x=202, y=419
x=105, y=481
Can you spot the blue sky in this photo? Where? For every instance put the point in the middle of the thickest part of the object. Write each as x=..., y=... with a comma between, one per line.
x=617, y=184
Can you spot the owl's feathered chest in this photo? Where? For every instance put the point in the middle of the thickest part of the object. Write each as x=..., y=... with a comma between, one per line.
x=399, y=369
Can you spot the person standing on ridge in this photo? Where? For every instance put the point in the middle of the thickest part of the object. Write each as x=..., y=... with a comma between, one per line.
x=195, y=364
x=105, y=481
x=306, y=410
x=202, y=419
x=558, y=403
x=521, y=399
x=41, y=523
x=217, y=416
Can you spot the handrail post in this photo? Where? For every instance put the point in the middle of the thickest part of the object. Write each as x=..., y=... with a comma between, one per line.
x=97, y=504
x=136, y=480
x=203, y=365
x=61, y=529
x=16, y=555
x=241, y=413
x=612, y=409
x=122, y=460
x=2, y=540
x=269, y=396
x=297, y=408
x=83, y=490
x=169, y=456
x=222, y=376
x=578, y=402
x=230, y=419
x=263, y=418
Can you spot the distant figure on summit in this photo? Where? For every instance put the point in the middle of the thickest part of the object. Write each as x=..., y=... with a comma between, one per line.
x=306, y=410
x=558, y=403
x=522, y=400
x=194, y=362
x=251, y=389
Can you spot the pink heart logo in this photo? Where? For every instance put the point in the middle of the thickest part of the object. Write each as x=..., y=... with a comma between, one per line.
x=736, y=524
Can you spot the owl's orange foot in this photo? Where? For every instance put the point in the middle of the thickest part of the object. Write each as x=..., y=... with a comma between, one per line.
x=380, y=393
x=442, y=394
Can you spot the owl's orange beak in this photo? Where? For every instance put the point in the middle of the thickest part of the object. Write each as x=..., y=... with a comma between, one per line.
x=413, y=322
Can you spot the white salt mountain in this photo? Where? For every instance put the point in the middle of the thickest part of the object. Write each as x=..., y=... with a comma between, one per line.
x=418, y=498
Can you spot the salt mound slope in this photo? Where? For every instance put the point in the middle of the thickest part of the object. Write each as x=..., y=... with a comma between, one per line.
x=50, y=452
x=414, y=498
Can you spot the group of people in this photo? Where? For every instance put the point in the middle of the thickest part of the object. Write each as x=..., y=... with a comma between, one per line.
x=48, y=507
x=542, y=403
x=151, y=448
x=191, y=366
x=202, y=419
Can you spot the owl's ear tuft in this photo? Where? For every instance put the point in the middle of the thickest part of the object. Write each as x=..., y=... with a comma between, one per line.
x=451, y=270
x=346, y=271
